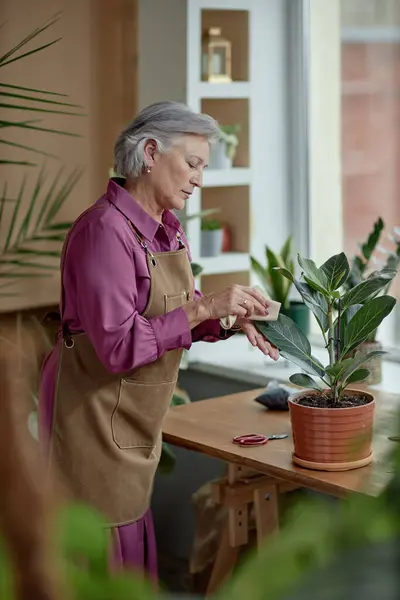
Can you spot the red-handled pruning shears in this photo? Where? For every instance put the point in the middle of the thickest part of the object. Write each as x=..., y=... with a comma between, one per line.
x=256, y=439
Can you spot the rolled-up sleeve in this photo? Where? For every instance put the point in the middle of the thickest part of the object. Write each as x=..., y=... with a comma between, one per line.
x=104, y=272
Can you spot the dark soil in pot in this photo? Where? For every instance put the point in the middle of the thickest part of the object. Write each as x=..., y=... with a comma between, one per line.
x=327, y=401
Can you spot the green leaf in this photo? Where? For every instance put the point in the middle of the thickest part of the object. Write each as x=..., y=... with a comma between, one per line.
x=280, y=288
x=21, y=163
x=47, y=199
x=36, y=99
x=353, y=364
x=12, y=225
x=262, y=274
x=3, y=200
x=47, y=238
x=357, y=376
x=35, y=33
x=167, y=460
x=26, y=221
x=285, y=273
x=43, y=129
x=287, y=250
x=84, y=536
x=29, y=148
x=337, y=270
x=18, y=275
x=35, y=90
x=366, y=289
x=32, y=252
x=61, y=196
x=345, y=317
x=312, y=275
x=178, y=400
x=366, y=320
x=22, y=263
x=47, y=111
x=304, y=381
x=196, y=269
x=370, y=245
x=339, y=367
x=316, y=302
x=60, y=226
x=292, y=343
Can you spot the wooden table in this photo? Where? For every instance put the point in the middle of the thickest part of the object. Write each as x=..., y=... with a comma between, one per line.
x=261, y=473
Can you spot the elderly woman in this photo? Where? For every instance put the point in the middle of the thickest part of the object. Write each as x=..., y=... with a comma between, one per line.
x=128, y=309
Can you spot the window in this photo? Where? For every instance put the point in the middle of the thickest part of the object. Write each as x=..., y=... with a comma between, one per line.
x=370, y=115
x=355, y=131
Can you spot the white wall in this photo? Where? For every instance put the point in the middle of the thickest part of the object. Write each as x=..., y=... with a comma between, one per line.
x=325, y=129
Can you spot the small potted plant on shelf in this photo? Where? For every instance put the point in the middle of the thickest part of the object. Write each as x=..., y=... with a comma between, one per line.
x=332, y=424
x=279, y=287
x=211, y=237
x=224, y=150
x=378, y=255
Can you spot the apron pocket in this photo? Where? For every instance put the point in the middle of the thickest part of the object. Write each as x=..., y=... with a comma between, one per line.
x=137, y=418
x=174, y=301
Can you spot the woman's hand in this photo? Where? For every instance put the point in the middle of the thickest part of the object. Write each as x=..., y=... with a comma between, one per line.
x=257, y=339
x=238, y=300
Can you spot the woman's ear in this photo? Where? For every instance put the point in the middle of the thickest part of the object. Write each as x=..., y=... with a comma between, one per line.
x=150, y=149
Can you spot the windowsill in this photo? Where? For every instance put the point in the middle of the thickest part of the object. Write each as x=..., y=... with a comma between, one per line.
x=236, y=359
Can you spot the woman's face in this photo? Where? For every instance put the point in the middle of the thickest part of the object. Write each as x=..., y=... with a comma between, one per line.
x=175, y=173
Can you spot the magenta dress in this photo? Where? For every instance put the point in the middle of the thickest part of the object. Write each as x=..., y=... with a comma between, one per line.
x=106, y=283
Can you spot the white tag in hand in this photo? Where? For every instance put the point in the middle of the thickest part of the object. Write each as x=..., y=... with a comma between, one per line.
x=273, y=306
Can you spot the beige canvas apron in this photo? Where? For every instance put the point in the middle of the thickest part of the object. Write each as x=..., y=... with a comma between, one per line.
x=106, y=432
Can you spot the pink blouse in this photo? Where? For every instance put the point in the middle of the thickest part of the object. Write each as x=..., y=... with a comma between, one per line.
x=106, y=287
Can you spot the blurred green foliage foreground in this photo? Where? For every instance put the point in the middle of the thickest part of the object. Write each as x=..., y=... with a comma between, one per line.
x=326, y=550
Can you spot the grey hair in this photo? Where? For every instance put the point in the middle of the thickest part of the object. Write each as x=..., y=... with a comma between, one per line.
x=162, y=122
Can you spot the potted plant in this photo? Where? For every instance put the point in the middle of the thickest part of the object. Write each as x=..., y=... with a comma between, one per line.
x=279, y=287
x=332, y=424
x=224, y=151
x=211, y=237
x=372, y=252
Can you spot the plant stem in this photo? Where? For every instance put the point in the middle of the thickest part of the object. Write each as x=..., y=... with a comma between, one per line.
x=331, y=336
x=338, y=340
x=331, y=346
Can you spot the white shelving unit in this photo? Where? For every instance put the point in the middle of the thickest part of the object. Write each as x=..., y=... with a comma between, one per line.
x=226, y=177
x=228, y=262
x=252, y=197
x=224, y=90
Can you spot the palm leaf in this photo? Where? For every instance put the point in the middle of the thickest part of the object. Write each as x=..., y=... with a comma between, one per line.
x=32, y=219
x=19, y=257
x=26, y=125
x=35, y=99
x=35, y=33
x=26, y=89
x=15, y=215
x=31, y=95
x=21, y=163
x=29, y=148
x=42, y=110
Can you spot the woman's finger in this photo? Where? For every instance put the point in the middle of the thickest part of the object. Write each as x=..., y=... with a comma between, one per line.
x=271, y=350
x=248, y=300
x=256, y=295
x=250, y=332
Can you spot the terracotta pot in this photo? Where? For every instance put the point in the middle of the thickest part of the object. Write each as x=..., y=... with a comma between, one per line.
x=331, y=439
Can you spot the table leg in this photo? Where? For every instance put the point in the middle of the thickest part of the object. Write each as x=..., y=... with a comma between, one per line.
x=225, y=562
x=266, y=512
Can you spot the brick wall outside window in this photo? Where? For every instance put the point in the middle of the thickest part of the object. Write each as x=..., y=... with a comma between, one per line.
x=370, y=139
